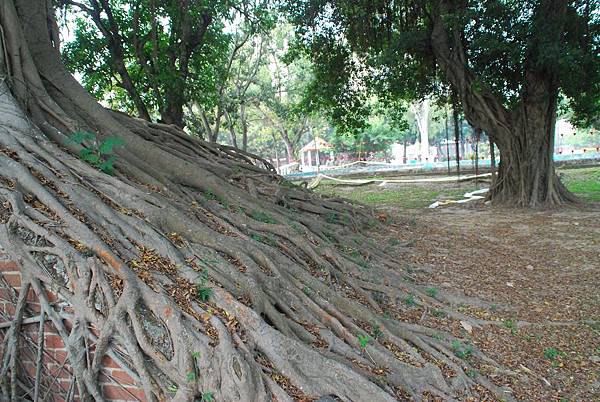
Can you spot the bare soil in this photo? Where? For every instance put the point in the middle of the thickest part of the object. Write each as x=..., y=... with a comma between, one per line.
x=540, y=270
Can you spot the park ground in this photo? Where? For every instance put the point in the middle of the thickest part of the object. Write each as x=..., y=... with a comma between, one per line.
x=537, y=271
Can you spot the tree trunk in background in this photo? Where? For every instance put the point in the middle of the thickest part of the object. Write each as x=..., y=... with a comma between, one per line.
x=173, y=106
x=524, y=134
x=244, y=122
x=526, y=172
x=289, y=147
x=456, y=134
x=492, y=155
x=421, y=111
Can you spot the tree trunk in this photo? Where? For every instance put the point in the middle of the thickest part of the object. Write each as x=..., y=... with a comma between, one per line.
x=421, y=111
x=456, y=135
x=173, y=106
x=492, y=155
x=524, y=134
x=526, y=175
x=196, y=258
x=289, y=147
x=244, y=121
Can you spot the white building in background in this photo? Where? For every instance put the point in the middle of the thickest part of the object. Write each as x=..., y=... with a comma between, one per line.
x=315, y=154
x=414, y=153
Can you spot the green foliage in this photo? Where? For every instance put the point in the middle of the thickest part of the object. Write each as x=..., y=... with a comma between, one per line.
x=553, y=354
x=410, y=301
x=332, y=217
x=174, y=53
x=431, y=292
x=512, y=325
x=210, y=195
x=365, y=48
x=461, y=350
x=377, y=332
x=98, y=154
x=262, y=217
x=307, y=291
x=363, y=340
x=208, y=396
x=204, y=292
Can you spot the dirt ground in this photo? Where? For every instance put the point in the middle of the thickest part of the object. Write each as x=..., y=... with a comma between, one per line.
x=540, y=272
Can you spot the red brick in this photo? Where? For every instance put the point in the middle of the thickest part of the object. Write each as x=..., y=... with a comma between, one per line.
x=65, y=383
x=13, y=279
x=115, y=392
x=6, y=294
x=51, y=296
x=34, y=307
x=60, y=355
x=30, y=368
x=53, y=341
x=9, y=309
x=122, y=377
x=8, y=266
x=108, y=362
x=31, y=296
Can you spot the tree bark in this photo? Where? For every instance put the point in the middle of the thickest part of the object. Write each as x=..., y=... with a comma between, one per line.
x=526, y=174
x=525, y=131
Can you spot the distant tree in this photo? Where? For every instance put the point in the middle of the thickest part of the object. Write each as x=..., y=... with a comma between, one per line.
x=507, y=62
x=154, y=57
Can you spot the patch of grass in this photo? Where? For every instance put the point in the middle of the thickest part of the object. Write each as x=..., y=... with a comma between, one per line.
x=512, y=325
x=262, y=217
x=462, y=350
x=296, y=228
x=431, y=292
x=332, y=217
x=210, y=195
x=553, y=354
x=392, y=241
x=410, y=197
x=585, y=183
x=410, y=301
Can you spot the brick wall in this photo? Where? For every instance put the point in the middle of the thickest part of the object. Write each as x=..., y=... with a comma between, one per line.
x=116, y=384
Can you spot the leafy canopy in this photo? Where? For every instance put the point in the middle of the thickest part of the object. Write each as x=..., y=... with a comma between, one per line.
x=384, y=47
x=169, y=48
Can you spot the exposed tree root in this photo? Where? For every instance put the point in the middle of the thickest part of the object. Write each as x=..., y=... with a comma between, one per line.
x=294, y=278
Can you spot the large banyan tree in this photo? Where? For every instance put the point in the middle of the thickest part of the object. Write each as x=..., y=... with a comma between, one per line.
x=507, y=63
x=207, y=271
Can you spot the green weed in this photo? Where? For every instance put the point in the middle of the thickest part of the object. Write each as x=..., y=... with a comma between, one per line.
x=461, y=350
x=363, y=340
x=98, y=154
